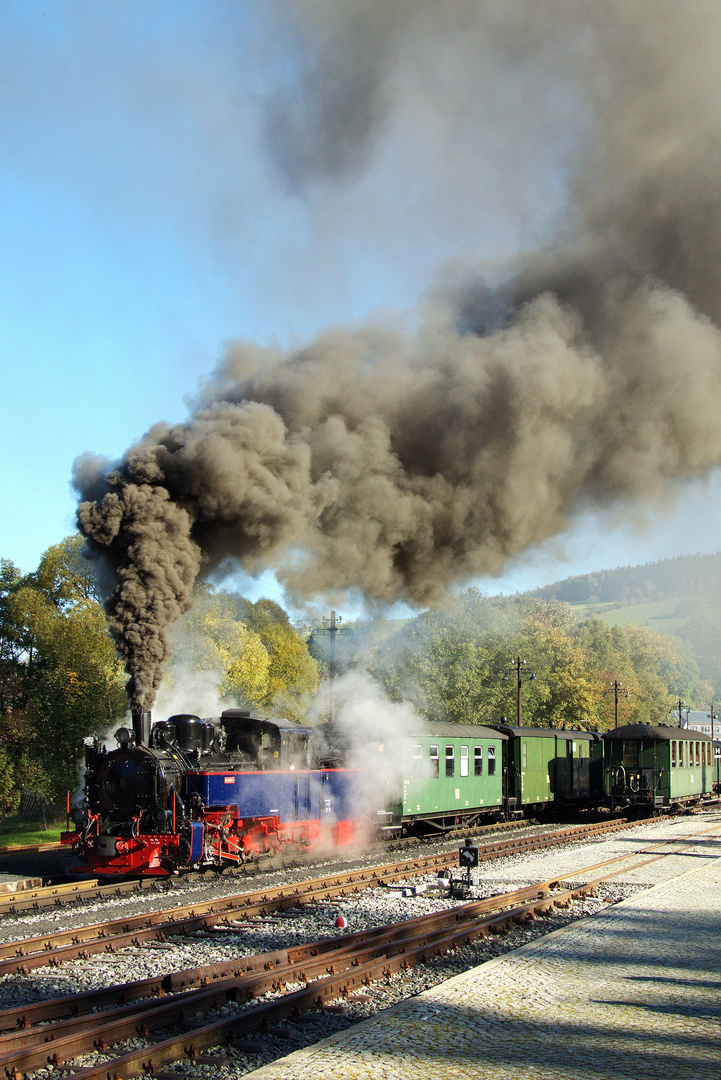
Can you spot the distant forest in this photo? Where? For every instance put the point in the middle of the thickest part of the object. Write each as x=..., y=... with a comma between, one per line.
x=686, y=576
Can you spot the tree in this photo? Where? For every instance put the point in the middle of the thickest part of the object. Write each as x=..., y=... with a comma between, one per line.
x=12, y=667
x=662, y=671
x=292, y=672
x=459, y=664
x=449, y=663
x=259, y=659
x=565, y=692
x=72, y=678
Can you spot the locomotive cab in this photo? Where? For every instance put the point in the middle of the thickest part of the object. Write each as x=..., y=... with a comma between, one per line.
x=266, y=744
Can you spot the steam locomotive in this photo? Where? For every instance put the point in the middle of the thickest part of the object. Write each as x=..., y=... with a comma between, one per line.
x=200, y=793
x=192, y=793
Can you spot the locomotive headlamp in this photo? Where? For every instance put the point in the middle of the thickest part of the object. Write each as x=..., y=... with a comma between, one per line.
x=160, y=816
x=123, y=737
x=77, y=815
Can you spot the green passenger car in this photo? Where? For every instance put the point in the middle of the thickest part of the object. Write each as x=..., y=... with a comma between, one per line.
x=656, y=765
x=551, y=767
x=448, y=775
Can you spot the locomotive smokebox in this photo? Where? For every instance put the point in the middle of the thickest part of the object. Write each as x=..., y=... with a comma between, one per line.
x=141, y=726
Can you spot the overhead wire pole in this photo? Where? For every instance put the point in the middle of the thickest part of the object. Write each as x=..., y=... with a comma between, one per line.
x=714, y=759
x=332, y=628
x=679, y=705
x=615, y=688
x=517, y=666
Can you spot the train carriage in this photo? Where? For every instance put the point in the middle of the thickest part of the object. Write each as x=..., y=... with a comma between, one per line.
x=649, y=765
x=448, y=774
x=193, y=793
x=551, y=767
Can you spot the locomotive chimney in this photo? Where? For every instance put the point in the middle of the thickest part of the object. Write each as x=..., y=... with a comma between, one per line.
x=141, y=726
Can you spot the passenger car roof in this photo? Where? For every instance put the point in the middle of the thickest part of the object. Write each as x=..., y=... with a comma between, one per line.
x=660, y=732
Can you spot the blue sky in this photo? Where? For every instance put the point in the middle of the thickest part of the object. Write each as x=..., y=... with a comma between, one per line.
x=144, y=225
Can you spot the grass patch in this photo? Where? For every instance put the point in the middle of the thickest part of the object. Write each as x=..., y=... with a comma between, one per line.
x=16, y=832
x=661, y=615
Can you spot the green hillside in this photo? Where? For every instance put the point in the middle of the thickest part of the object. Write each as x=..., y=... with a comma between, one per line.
x=660, y=615
x=680, y=596
x=680, y=578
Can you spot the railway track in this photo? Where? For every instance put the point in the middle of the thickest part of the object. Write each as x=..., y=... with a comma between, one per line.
x=20, y=957
x=58, y=894
x=301, y=978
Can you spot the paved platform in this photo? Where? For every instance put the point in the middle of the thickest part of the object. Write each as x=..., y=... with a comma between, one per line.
x=10, y=883
x=633, y=993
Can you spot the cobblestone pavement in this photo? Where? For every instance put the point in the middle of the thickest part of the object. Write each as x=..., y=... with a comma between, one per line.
x=633, y=993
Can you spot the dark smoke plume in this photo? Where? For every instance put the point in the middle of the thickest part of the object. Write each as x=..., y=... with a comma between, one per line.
x=400, y=463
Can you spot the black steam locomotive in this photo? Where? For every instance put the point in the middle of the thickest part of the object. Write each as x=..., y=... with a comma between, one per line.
x=198, y=793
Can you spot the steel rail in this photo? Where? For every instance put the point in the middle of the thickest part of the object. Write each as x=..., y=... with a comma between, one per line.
x=414, y=939
x=19, y=957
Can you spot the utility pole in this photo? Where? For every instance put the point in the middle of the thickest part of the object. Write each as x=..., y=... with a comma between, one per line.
x=616, y=688
x=517, y=666
x=680, y=704
x=331, y=628
x=714, y=759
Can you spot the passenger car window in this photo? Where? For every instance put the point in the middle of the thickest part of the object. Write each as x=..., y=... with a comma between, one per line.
x=464, y=761
x=491, y=760
x=417, y=762
x=673, y=753
x=450, y=761
x=478, y=760
x=433, y=756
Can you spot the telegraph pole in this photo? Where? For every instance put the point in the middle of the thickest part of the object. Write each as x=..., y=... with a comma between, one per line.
x=517, y=666
x=616, y=688
x=712, y=716
x=331, y=628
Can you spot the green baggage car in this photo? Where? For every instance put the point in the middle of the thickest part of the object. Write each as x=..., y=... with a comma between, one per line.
x=551, y=767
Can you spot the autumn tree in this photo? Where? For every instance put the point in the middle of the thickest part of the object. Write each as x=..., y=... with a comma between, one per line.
x=211, y=639
x=565, y=692
x=292, y=672
x=449, y=662
x=258, y=658
x=458, y=663
x=13, y=688
x=72, y=678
